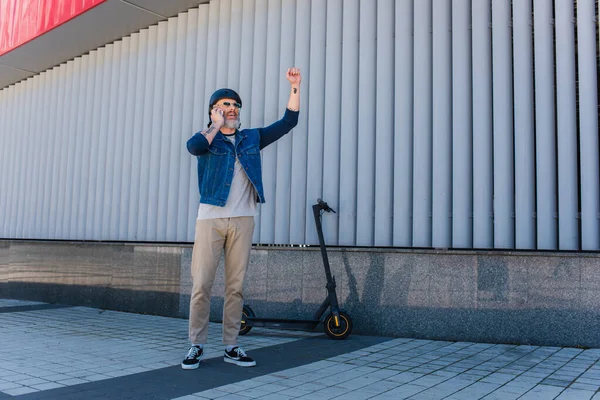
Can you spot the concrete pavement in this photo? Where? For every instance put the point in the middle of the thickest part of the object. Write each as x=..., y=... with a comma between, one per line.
x=61, y=352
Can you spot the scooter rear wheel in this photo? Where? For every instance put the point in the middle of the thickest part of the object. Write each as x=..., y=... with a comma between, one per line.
x=246, y=312
x=338, y=332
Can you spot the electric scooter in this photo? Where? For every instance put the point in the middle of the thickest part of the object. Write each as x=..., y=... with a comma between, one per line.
x=337, y=324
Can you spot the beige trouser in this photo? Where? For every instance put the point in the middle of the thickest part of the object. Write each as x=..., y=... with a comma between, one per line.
x=234, y=235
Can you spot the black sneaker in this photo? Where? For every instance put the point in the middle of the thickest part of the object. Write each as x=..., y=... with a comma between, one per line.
x=192, y=360
x=238, y=356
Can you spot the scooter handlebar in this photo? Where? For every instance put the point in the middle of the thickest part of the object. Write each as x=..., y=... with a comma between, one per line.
x=324, y=206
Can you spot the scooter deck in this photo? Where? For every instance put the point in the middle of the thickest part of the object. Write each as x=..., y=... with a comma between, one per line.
x=279, y=323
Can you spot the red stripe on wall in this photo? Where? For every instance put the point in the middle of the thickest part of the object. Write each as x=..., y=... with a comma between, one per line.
x=24, y=20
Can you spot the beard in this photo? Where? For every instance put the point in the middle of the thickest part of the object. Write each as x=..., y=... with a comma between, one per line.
x=233, y=124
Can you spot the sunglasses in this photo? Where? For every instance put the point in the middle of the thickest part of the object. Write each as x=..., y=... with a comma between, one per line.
x=228, y=104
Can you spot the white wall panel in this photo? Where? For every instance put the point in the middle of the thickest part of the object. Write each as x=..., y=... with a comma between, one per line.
x=331, y=123
x=545, y=125
x=423, y=123
x=186, y=165
x=348, y=126
x=315, y=104
x=200, y=110
x=403, y=124
x=114, y=144
x=259, y=65
x=300, y=212
x=283, y=175
x=566, y=127
x=504, y=202
x=441, y=223
x=462, y=126
x=525, y=237
x=422, y=133
x=483, y=173
x=166, y=134
x=272, y=111
x=588, y=125
x=384, y=127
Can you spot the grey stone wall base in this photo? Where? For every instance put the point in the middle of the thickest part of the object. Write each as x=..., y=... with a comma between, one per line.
x=485, y=296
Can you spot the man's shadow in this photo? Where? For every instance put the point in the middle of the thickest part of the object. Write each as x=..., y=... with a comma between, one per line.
x=373, y=286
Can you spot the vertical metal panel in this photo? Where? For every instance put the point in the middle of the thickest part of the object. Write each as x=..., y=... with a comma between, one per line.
x=315, y=84
x=200, y=108
x=8, y=162
x=108, y=156
x=259, y=63
x=212, y=50
x=149, y=126
x=106, y=139
x=151, y=232
x=12, y=157
x=166, y=135
x=422, y=141
x=223, y=36
x=88, y=67
x=566, y=128
x=271, y=114
x=525, y=237
x=544, y=125
x=504, y=203
x=367, y=68
x=4, y=104
x=98, y=146
x=384, y=126
x=348, y=124
x=403, y=124
x=141, y=126
x=283, y=173
x=442, y=125
x=331, y=122
x=173, y=132
x=133, y=103
x=114, y=190
x=186, y=217
x=241, y=75
x=588, y=125
x=73, y=103
x=4, y=137
x=64, y=111
x=49, y=176
x=7, y=137
x=18, y=131
x=462, y=126
x=483, y=177
x=32, y=160
x=299, y=209
x=25, y=167
x=235, y=46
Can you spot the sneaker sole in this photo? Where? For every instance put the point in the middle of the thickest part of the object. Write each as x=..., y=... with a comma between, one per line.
x=240, y=363
x=193, y=366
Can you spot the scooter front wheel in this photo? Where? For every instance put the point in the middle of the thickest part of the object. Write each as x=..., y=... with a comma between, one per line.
x=343, y=328
x=246, y=312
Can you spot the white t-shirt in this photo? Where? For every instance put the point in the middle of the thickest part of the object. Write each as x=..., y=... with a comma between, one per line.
x=241, y=201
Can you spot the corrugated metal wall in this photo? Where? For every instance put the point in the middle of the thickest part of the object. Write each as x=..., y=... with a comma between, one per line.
x=425, y=123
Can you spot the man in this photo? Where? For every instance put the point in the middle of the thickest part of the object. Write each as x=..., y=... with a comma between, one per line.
x=230, y=183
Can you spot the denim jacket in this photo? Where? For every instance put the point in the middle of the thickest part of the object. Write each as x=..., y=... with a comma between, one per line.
x=216, y=161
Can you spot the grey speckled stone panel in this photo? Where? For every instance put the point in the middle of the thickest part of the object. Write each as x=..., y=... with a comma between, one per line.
x=284, y=276
x=505, y=297
x=4, y=263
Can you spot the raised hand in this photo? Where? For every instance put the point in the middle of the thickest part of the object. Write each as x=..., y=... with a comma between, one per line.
x=293, y=76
